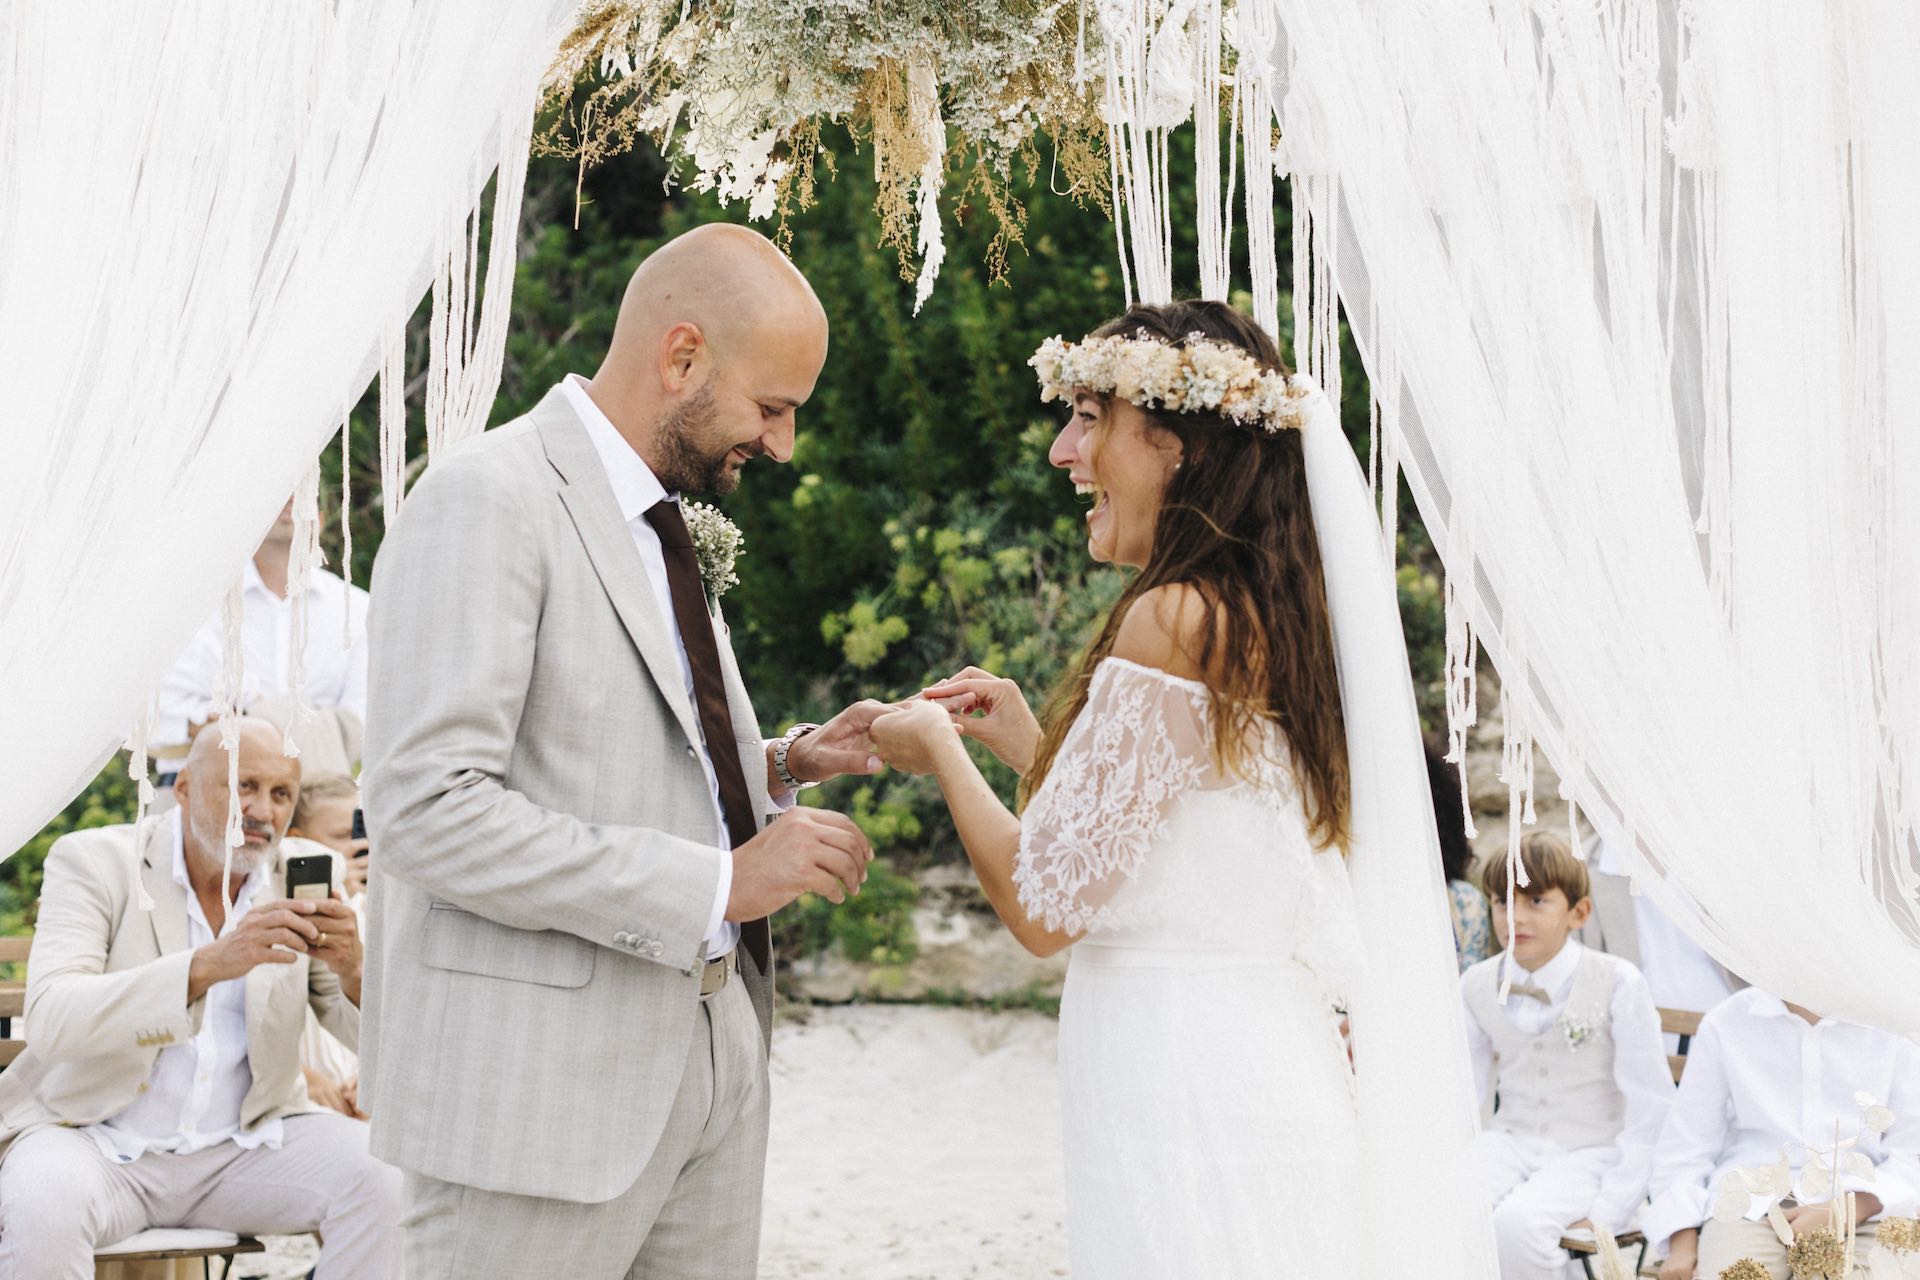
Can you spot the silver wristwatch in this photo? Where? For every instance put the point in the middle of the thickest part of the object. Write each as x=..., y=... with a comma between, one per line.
x=784, y=744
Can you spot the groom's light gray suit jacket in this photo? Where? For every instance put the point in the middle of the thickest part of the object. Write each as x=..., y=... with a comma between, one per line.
x=541, y=824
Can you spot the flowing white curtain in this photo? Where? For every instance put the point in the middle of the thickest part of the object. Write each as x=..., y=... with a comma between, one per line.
x=1638, y=288
x=214, y=219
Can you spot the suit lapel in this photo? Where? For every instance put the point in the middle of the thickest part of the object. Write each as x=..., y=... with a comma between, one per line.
x=169, y=914
x=609, y=545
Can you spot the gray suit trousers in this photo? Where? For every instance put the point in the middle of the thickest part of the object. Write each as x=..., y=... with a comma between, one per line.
x=693, y=1214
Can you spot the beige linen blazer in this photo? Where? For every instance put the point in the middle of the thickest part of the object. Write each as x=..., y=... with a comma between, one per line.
x=107, y=988
x=542, y=831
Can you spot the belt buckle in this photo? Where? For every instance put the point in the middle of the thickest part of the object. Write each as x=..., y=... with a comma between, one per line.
x=714, y=978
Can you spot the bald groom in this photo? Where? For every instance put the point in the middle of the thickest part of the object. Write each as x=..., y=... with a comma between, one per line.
x=579, y=830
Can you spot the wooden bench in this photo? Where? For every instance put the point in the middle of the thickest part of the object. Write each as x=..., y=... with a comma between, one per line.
x=1674, y=1022
x=159, y=1244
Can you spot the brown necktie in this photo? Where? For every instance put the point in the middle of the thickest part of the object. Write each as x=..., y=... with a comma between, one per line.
x=709, y=691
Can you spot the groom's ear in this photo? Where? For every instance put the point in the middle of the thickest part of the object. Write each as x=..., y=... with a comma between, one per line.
x=683, y=350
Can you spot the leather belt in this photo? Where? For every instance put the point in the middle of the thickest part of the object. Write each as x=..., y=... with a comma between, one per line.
x=715, y=976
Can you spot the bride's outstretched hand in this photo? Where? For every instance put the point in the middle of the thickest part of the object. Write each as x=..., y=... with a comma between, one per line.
x=913, y=737
x=993, y=712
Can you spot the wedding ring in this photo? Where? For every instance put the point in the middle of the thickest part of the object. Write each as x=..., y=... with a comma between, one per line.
x=323, y=939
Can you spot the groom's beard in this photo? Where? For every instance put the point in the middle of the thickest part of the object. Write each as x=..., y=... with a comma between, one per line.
x=686, y=464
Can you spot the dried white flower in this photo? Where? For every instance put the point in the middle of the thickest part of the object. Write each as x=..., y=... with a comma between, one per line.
x=1201, y=376
x=717, y=543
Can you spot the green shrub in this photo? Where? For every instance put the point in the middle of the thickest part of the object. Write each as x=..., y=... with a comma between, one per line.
x=873, y=927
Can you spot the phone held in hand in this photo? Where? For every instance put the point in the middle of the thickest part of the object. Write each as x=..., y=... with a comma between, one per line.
x=310, y=876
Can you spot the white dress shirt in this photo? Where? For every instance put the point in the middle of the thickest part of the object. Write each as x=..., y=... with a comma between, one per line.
x=335, y=657
x=1639, y=1064
x=637, y=490
x=192, y=1100
x=1762, y=1082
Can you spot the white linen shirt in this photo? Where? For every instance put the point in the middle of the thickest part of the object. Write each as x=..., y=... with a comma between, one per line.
x=1639, y=1064
x=192, y=1099
x=637, y=490
x=335, y=657
x=1762, y=1082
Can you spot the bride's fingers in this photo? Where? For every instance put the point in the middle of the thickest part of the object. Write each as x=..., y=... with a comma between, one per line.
x=983, y=689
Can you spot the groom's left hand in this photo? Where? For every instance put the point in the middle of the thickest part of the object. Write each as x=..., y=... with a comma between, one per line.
x=840, y=746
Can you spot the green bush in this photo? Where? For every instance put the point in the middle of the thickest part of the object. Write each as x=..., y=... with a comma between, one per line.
x=873, y=927
x=108, y=799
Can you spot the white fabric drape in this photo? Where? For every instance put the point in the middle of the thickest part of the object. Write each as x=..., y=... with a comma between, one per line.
x=213, y=220
x=1648, y=278
x=1638, y=289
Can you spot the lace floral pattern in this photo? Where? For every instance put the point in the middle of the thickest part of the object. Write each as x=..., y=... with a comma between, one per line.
x=1140, y=743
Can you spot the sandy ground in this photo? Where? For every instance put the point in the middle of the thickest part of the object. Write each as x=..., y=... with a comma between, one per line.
x=908, y=1143
x=914, y=1142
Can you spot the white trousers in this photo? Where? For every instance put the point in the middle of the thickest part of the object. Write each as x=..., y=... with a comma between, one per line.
x=1539, y=1189
x=60, y=1198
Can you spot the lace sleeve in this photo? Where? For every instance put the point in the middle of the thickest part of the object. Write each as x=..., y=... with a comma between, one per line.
x=1142, y=740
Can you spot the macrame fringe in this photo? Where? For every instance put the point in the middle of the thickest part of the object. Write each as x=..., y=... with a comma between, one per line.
x=393, y=426
x=1215, y=215
x=302, y=559
x=466, y=332
x=137, y=741
x=232, y=679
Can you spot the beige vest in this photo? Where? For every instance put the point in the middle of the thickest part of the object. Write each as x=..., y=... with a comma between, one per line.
x=1549, y=1086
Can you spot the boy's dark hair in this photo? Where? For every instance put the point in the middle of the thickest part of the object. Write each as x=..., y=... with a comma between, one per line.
x=1550, y=864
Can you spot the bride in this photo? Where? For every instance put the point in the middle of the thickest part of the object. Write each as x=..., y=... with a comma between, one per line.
x=1205, y=808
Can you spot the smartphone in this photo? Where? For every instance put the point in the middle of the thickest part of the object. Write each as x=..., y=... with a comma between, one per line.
x=310, y=876
x=359, y=824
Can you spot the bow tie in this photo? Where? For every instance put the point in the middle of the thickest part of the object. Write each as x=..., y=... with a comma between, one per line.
x=1530, y=991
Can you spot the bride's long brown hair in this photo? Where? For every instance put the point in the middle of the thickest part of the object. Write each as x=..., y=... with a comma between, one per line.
x=1236, y=526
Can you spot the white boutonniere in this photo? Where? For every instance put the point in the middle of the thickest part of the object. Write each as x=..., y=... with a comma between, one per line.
x=717, y=543
x=1576, y=1029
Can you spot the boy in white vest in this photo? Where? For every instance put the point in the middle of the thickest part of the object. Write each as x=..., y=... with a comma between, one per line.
x=1575, y=1059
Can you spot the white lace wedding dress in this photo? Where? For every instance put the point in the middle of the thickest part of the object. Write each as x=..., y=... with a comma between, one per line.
x=1209, y=1113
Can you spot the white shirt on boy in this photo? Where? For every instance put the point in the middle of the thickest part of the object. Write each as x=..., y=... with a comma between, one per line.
x=1639, y=1064
x=1762, y=1082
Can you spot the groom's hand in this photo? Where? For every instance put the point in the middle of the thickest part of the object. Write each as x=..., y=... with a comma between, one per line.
x=842, y=745
x=801, y=851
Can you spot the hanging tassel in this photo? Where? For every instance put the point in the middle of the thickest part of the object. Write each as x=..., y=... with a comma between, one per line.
x=346, y=524
x=232, y=673
x=393, y=432
x=137, y=742
x=1215, y=217
x=303, y=558
x=1462, y=657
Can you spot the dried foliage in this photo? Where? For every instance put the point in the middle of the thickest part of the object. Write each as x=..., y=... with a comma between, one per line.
x=735, y=92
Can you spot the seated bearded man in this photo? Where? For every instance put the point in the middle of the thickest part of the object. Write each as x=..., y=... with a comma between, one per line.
x=161, y=1082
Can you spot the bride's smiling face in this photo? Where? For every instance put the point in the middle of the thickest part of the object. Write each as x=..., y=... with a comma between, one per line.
x=1116, y=456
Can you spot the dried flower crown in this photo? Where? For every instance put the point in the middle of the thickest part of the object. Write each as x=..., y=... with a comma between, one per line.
x=1203, y=376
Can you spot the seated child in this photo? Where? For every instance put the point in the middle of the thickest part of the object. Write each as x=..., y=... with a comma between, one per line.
x=1575, y=1058
x=1765, y=1079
